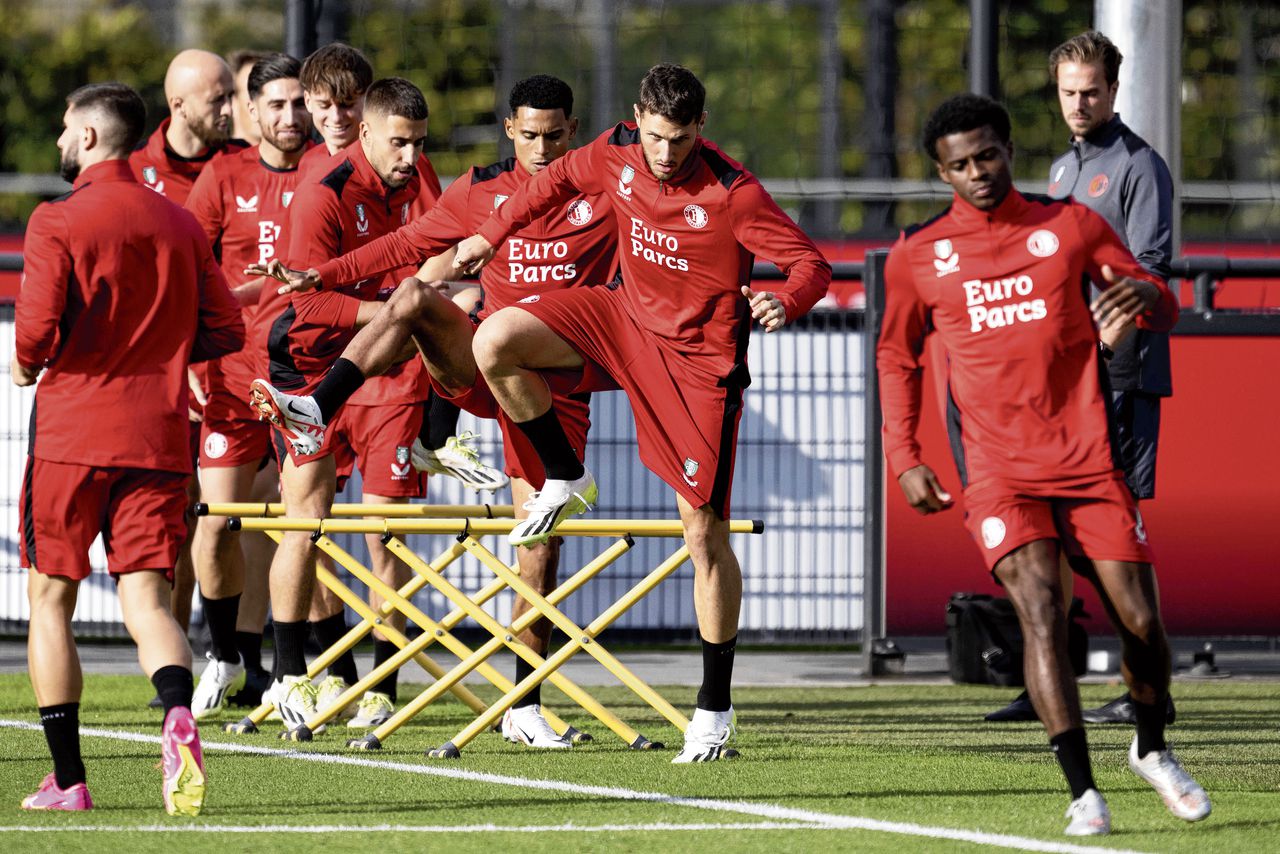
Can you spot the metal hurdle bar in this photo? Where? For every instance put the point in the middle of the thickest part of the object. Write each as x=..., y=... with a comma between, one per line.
x=370, y=619
x=581, y=638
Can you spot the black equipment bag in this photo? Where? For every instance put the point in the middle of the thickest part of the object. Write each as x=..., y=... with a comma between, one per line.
x=984, y=640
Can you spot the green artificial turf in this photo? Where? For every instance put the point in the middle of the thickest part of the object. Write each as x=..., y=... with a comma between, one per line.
x=916, y=754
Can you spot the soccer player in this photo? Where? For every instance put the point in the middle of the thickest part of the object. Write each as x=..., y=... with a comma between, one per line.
x=1113, y=171
x=241, y=200
x=673, y=335
x=198, y=89
x=371, y=189
x=335, y=78
x=120, y=292
x=243, y=125
x=997, y=276
x=572, y=245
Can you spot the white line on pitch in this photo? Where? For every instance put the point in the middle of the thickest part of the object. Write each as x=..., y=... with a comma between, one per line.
x=413, y=828
x=775, y=812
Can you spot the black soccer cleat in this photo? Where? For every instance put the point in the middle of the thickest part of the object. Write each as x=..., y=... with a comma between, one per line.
x=1019, y=709
x=1120, y=711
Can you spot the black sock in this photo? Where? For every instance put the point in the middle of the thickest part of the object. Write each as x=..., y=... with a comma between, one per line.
x=174, y=686
x=249, y=645
x=328, y=632
x=220, y=615
x=534, y=697
x=62, y=730
x=439, y=421
x=383, y=650
x=290, y=638
x=717, y=675
x=343, y=380
x=549, y=440
x=1151, y=722
x=1072, y=750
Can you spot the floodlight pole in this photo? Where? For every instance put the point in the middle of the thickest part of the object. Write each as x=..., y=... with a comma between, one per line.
x=984, y=51
x=300, y=28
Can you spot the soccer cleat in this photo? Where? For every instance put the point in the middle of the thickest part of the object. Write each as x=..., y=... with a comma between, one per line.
x=526, y=725
x=216, y=682
x=296, y=417
x=183, y=763
x=375, y=709
x=460, y=460
x=1179, y=790
x=1120, y=711
x=551, y=505
x=1019, y=709
x=74, y=798
x=256, y=683
x=294, y=698
x=1089, y=815
x=706, y=736
x=328, y=692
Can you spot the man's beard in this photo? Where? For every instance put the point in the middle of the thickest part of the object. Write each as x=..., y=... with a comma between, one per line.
x=210, y=135
x=69, y=166
x=269, y=136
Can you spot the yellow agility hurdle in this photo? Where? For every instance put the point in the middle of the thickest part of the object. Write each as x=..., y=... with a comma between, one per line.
x=467, y=531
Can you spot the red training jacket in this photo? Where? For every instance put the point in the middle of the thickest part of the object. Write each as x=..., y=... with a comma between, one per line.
x=120, y=292
x=169, y=174
x=333, y=214
x=571, y=245
x=686, y=245
x=243, y=206
x=1008, y=292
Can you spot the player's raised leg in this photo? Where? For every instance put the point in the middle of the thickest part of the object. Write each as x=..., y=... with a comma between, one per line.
x=510, y=347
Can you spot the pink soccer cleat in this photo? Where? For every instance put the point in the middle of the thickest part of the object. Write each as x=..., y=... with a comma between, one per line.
x=50, y=797
x=183, y=763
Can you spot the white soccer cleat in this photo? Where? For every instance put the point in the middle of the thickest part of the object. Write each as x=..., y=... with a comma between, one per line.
x=706, y=736
x=1089, y=815
x=296, y=416
x=458, y=459
x=375, y=709
x=328, y=692
x=551, y=505
x=526, y=725
x=215, y=684
x=294, y=698
x=1181, y=793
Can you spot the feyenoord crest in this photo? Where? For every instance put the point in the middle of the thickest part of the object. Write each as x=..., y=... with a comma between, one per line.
x=362, y=223
x=1042, y=243
x=498, y=200
x=580, y=212
x=404, y=213
x=400, y=468
x=215, y=445
x=690, y=469
x=149, y=174
x=1098, y=185
x=695, y=216
x=286, y=197
x=402, y=454
x=626, y=177
x=993, y=531
x=948, y=261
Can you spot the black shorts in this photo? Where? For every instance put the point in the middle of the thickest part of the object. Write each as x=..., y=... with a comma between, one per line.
x=1137, y=420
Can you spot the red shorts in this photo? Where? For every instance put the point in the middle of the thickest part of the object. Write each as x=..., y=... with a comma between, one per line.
x=1095, y=518
x=379, y=438
x=139, y=512
x=686, y=419
x=232, y=435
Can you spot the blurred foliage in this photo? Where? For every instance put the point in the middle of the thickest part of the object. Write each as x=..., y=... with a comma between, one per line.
x=758, y=58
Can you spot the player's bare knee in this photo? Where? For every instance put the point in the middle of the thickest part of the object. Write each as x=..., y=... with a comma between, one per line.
x=495, y=342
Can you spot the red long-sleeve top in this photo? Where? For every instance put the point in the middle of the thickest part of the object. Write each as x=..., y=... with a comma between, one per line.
x=120, y=291
x=686, y=246
x=1007, y=290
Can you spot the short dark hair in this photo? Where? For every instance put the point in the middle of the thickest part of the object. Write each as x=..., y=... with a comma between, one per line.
x=964, y=113
x=238, y=59
x=1087, y=48
x=272, y=66
x=395, y=96
x=123, y=107
x=542, y=92
x=671, y=91
x=338, y=69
